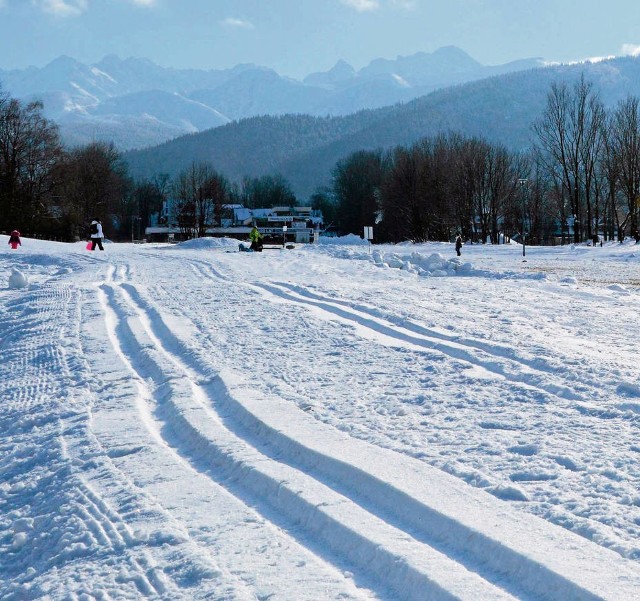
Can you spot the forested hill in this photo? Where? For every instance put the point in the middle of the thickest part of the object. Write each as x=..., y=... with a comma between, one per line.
x=253, y=146
x=305, y=149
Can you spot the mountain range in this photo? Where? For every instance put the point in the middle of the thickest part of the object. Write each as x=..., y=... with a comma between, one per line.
x=306, y=148
x=136, y=103
x=250, y=121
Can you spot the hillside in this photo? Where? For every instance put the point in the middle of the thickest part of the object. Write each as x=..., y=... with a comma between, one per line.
x=134, y=102
x=305, y=149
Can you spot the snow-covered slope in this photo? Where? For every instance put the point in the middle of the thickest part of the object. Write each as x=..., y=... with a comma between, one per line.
x=332, y=422
x=78, y=95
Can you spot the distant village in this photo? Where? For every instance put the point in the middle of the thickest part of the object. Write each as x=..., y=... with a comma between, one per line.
x=276, y=224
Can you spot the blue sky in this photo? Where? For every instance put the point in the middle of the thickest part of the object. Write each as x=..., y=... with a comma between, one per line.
x=297, y=37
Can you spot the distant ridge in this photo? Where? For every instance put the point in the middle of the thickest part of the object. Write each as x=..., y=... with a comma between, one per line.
x=135, y=103
x=305, y=148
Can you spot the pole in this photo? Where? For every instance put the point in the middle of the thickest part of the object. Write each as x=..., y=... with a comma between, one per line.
x=523, y=183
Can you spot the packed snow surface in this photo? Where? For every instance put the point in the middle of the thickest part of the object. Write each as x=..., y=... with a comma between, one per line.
x=336, y=421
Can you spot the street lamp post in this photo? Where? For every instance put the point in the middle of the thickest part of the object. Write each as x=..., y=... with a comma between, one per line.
x=134, y=219
x=522, y=182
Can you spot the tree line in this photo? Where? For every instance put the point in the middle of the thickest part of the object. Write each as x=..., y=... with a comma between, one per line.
x=49, y=191
x=579, y=179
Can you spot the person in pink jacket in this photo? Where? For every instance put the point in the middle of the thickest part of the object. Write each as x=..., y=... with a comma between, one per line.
x=14, y=239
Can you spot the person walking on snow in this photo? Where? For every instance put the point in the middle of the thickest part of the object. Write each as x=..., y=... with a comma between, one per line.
x=14, y=239
x=96, y=234
x=459, y=244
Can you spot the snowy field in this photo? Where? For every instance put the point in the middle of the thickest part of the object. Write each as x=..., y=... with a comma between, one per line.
x=332, y=422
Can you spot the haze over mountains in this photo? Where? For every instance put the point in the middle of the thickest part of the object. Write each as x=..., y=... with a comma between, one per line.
x=136, y=103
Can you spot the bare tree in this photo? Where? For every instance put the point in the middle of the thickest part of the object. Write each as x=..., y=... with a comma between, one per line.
x=356, y=186
x=30, y=148
x=267, y=191
x=96, y=184
x=610, y=173
x=570, y=134
x=200, y=192
x=624, y=139
x=468, y=184
x=402, y=196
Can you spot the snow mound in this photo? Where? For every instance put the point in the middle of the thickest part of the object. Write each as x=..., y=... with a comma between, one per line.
x=628, y=389
x=17, y=279
x=618, y=288
x=349, y=239
x=203, y=243
x=432, y=265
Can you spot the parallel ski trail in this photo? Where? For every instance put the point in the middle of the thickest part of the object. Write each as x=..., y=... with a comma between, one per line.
x=199, y=497
x=338, y=474
x=500, y=362
x=187, y=407
x=164, y=394
x=506, y=365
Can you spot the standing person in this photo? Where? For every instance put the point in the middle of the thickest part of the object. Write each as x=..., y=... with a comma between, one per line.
x=14, y=239
x=459, y=244
x=96, y=234
x=256, y=239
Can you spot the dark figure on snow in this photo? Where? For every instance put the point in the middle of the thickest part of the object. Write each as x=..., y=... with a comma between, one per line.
x=14, y=239
x=96, y=234
x=256, y=239
x=459, y=244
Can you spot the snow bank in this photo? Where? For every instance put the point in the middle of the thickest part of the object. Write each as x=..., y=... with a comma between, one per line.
x=207, y=242
x=434, y=265
x=348, y=240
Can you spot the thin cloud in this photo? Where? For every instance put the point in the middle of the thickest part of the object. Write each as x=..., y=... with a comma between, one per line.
x=362, y=5
x=630, y=50
x=62, y=8
x=73, y=8
x=405, y=4
x=239, y=23
x=370, y=5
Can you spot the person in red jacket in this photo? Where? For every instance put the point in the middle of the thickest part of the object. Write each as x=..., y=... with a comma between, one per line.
x=14, y=239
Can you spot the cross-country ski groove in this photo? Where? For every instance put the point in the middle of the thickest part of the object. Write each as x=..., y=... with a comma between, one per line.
x=223, y=582
x=481, y=552
x=304, y=503
x=418, y=337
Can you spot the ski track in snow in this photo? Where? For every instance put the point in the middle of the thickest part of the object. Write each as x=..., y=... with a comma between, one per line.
x=210, y=462
x=405, y=570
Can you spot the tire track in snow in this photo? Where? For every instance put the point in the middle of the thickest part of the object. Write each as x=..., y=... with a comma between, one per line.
x=486, y=551
x=410, y=567
x=80, y=528
x=109, y=528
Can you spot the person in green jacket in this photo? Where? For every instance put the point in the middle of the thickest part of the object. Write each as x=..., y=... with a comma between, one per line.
x=256, y=239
